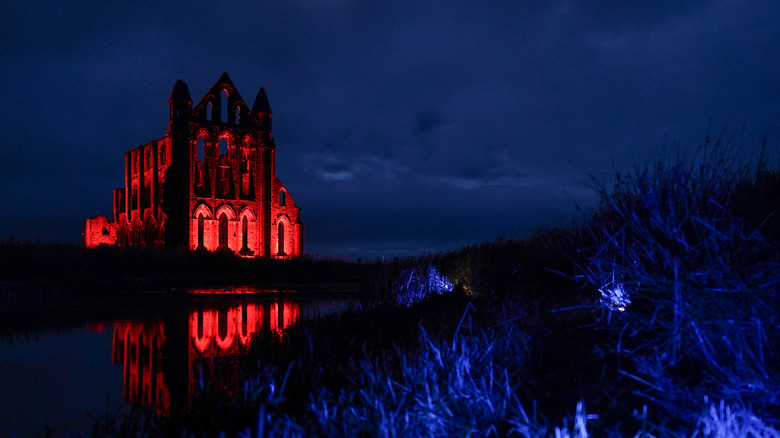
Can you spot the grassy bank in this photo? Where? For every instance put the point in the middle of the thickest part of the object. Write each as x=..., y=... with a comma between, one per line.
x=653, y=315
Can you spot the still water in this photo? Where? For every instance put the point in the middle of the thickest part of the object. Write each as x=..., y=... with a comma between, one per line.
x=57, y=380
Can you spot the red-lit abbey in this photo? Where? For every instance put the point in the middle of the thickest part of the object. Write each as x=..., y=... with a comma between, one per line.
x=209, y=183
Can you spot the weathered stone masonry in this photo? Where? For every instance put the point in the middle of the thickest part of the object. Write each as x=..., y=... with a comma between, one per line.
x=208, y=184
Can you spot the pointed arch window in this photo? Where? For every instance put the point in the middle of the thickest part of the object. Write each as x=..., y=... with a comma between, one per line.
x=238, y=115
x=201, y=149
x=280, y=237
x=162, y=155
x=245, y=159
x=209, y=111
x=223, y=147
x=244, y=234
x=223, y=106
x=200, y=231
x=282, y=201
x=223, y=232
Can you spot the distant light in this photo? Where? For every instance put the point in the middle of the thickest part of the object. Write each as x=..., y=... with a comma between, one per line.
x=439, y=283
x=416, y=284
x=614, y=295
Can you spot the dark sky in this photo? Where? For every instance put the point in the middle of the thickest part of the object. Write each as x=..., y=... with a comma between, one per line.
x=401, y=126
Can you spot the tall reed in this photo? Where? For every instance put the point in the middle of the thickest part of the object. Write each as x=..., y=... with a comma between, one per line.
x=691, y=281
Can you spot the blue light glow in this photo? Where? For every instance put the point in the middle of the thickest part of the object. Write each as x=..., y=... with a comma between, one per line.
x=613, y=295
x=416, y=284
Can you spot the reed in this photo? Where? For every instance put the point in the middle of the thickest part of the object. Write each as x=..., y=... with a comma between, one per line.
x=686, y=260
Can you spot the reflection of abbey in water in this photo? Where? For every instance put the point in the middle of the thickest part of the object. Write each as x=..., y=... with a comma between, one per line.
x=212, y=336
x=209, y=183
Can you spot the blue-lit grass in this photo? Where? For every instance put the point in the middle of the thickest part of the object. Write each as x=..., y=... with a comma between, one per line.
x=446, y=388
x=720, y=420
x=693, y=246
x=468, y=385
x=408, y=281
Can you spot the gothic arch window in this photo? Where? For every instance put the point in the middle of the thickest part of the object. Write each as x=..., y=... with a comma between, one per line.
x=282, y=201
x=244, y=234
x=280, y=237
x=201, y=149
x=223, y=107
x=200, y=231
x=223, y=147
x=209, y=111
x=223, y=231
x=238, y=115
x=245, y=158
x=162, y=155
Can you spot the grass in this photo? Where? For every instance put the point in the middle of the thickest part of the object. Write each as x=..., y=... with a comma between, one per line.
x=654, y=315
x=462, y=386
x=694, y=245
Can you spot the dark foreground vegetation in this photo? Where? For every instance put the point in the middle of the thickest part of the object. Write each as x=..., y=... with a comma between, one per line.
x=654, y=315
x=70, y=281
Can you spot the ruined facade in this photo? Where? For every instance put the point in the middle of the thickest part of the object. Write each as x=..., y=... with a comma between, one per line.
x=208, y=184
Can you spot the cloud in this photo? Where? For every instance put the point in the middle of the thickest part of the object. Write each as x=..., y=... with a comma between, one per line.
x=481, y=183
x=330, y=167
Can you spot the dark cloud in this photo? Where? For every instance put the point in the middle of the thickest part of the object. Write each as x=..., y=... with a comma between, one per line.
x=401, y=126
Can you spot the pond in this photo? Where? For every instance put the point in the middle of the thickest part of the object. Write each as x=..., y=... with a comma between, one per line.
x=58, y=379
